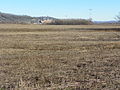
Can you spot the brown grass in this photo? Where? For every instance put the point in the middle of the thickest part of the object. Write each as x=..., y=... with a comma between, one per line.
x=40, y=57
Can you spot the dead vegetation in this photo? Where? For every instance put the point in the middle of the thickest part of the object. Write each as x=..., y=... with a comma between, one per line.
x=34, y=57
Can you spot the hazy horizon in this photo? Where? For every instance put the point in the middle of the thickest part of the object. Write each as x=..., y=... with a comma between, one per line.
x=103, y=10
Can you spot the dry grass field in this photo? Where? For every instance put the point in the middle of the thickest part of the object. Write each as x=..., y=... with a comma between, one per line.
x=41, y=57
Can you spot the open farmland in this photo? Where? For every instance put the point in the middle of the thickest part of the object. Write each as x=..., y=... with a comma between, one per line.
x=41, y=57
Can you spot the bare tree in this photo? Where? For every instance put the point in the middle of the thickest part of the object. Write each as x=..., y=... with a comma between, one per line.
x=118, y=17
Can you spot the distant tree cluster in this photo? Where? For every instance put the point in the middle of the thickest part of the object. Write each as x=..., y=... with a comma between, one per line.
x=23, y=19
x=71, y=22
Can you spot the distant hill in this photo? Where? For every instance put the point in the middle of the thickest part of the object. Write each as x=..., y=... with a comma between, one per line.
x=11, y=18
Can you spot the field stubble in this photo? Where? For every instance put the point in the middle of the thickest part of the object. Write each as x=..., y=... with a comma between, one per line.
x=35, y=57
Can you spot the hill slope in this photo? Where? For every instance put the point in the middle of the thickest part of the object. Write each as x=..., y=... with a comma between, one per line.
x=11, y=18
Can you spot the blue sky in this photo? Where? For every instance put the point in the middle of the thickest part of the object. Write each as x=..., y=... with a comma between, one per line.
x=101, y=9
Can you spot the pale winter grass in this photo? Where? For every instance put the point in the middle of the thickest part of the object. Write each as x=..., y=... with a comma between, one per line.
x=36, y=57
